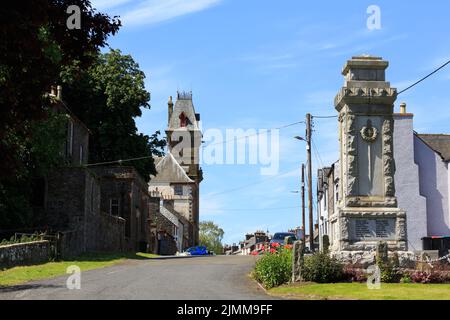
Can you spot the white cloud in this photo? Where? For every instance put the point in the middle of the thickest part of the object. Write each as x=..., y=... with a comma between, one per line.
x=107, y=4
x=154, y=11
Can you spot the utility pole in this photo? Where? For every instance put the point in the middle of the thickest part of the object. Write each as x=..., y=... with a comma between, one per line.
x=303, y=205
x=310, y=207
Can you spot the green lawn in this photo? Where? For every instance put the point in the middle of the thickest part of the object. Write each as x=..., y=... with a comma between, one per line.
x=359, y=291
x=86, y=262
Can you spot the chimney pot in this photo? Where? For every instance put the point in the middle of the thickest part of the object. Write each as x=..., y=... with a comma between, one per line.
x=170, y=108
x=403, y=108
x=59, y=95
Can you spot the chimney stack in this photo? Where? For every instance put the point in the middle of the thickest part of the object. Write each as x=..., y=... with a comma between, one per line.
x=170, y=107
x=53, y=91
x=59, y=94
x=403, y=108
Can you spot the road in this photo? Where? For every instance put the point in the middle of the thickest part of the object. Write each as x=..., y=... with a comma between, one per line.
x=200, y=278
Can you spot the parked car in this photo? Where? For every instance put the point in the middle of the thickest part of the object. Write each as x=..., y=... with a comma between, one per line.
x=280, y=236
x=197, y=251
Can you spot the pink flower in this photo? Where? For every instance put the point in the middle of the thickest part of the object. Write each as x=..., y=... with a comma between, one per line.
x=275, y=244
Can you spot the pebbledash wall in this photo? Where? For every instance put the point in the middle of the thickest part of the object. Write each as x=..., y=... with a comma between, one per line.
x=21, y=254
x=433, y=175
x=421, y=181
x=407, y=182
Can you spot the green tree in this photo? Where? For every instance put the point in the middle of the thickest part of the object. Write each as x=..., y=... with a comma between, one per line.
x=108, y=97
x=38, y=153
x=35, y=44
x=211, y=236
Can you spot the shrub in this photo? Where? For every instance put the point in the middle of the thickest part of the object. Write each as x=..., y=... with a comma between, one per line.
x=406, y=278
x=23, y=239
x=390, y=272
x=429, y=277
x=321, y=268
x=354, y=274
x=274, y=268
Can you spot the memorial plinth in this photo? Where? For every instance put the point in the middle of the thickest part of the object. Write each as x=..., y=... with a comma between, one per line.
x=367, y=208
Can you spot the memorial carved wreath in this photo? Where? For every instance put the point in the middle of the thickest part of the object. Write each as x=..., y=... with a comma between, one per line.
x=369, y=133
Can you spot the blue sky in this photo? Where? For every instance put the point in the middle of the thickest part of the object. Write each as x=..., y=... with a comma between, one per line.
x=263, y=64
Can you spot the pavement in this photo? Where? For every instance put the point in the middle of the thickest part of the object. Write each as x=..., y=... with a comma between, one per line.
x=199, y=278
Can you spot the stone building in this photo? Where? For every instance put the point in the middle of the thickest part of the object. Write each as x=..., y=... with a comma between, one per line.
x=71, y=196
x=124, y=194
x=390, y=184
x=178, y=173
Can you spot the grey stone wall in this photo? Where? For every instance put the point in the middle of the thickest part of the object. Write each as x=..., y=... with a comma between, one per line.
x=21, y=254
x=125, y=184
x=71, y=194
x=73, y=209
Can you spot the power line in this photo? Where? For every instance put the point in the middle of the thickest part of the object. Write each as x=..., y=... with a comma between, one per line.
x=258, y=133
x=120, y=161
x=424, y=78
x=255, y=209
x=251, y=184
x=317, y=154
x=324, y=117
x=404, y=90
x=117, y=161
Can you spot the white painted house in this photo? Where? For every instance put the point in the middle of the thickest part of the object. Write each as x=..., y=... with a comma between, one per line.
x=422, y=181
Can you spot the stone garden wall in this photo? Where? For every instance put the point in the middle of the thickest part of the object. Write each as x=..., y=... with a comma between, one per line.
x=29, y=253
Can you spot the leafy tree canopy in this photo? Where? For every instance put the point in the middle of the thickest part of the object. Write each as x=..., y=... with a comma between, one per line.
x=35, y=44
x=211, y=236
x=107, y=97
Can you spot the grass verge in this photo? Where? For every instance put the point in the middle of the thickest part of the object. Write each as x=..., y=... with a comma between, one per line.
x=18, y=275
x=359, y=291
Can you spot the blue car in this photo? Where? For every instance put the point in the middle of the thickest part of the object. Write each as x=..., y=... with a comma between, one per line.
x=197, y=251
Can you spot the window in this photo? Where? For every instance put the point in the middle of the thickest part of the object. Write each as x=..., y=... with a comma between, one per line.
x=337, y=192
x=70, y=138
x=178, y=190
x=92, y=195
x=183, y=121
x=81, y=155
x=114, y=207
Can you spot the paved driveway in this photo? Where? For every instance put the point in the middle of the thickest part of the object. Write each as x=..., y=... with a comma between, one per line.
x=200, y=278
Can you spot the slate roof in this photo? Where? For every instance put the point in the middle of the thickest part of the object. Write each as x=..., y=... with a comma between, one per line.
x=439, y=143
x=169, y=171
x=187, y=107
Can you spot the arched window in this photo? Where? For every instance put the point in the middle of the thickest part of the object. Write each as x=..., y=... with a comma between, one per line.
x=183, y=120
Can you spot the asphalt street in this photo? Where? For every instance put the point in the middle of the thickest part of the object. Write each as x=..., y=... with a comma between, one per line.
x=200, y=278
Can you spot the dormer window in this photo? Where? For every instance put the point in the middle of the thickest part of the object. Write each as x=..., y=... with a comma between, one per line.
x=183, y=120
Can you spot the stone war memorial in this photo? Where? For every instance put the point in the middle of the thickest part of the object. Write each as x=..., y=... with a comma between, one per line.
x=367, y=210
